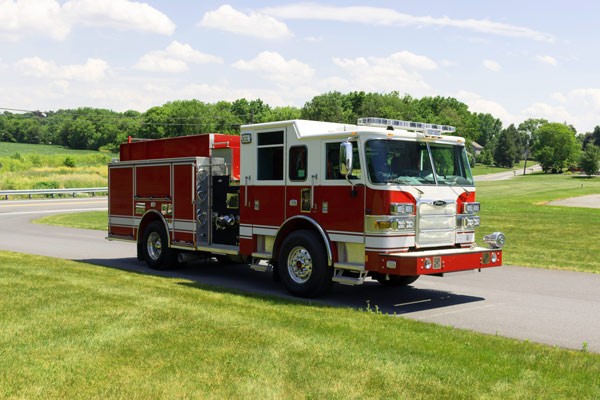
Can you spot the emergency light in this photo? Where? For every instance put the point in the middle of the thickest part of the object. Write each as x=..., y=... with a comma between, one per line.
x=428, y=129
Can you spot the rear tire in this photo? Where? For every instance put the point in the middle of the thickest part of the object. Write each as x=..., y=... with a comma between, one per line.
x=155, y=248
x=302, y=265
x=396, y=280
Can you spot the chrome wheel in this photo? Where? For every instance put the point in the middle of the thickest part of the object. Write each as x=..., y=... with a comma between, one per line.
x=299, y=264
x=154, y=246
x=302, y=264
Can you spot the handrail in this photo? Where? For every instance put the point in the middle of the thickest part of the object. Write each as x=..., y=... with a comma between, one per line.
x=52, y=192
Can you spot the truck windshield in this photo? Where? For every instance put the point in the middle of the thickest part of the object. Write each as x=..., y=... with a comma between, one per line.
x=410, y=163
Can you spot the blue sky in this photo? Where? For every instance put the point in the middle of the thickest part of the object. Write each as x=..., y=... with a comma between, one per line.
x=513, y=59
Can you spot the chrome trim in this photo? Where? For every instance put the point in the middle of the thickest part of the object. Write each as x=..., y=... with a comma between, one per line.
x=443, y=252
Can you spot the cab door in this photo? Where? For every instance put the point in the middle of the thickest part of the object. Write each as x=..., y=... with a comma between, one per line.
x=263, y=190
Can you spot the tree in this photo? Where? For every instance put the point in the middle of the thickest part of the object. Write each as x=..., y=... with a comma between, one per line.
x=506, y=149
x=590, y=160
x=555, y=147
x=592, y=137
x=328, y=107
x=489, y=128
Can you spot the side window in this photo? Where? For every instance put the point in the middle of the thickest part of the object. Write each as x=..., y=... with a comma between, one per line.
x=332, y=162
x=298, y=163
x=270, y=156
x=332, y=155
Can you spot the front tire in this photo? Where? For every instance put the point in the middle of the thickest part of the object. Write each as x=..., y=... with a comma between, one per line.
x=155, y=248
x=302, y=265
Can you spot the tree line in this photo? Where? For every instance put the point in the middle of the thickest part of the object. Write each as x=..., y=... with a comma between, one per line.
x=555, y=146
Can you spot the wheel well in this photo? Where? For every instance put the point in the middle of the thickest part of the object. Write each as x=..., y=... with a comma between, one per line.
x=301, y=223
x=147, y=219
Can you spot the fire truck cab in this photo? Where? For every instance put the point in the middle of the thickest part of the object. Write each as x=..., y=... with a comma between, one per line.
x=314, y=202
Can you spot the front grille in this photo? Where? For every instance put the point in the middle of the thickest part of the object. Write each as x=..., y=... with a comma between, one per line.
x=436, y=223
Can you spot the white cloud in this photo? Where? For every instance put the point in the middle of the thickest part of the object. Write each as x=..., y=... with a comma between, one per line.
x=386, y=16
x=559, y=97
x=59, y=87
x=492, y=65
x=175, y=58
x=478, y=104
x=547, y=60
x=273, y=66
x=263, y=26
x=547, y=111
x=579, y=107
x=42, y=17
x=19, y=18
x=120, y=14
x=92, y=71
x=399, y=71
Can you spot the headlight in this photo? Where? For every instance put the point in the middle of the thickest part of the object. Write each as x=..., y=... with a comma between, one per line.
x=390, y=224
x=471, y=208
x=402, y=208
x=496, y=240
x=469, y=221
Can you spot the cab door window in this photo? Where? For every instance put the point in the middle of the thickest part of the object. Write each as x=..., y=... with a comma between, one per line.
x=298, y=166
x=332, y=162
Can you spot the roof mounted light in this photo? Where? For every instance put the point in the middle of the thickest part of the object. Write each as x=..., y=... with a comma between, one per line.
x=427, y=129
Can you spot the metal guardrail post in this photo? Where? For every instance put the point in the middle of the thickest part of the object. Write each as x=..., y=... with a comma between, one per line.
x=52, y=192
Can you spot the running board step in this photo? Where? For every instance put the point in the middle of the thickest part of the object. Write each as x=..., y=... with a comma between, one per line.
x=355, y=279
x=260, y=265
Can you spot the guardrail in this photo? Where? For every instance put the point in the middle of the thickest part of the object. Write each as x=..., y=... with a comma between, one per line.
x=51, y=192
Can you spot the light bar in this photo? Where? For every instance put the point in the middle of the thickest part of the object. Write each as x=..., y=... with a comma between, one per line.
x=428, y=129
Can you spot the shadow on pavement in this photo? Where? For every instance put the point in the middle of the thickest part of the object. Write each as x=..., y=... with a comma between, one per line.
x=239, y=279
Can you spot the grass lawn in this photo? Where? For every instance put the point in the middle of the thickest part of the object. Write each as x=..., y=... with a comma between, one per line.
x=481, y=169
x=539, y=235
x=9, y=149
x=97, y=220
x=73, y=330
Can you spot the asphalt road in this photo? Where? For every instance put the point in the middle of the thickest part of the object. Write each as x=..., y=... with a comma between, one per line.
x=502, y=176
x=553, y=307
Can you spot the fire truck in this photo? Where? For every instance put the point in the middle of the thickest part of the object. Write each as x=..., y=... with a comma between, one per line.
x=313, y=202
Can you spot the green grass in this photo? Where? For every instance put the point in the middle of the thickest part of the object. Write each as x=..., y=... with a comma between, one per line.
x=97, y=220
x=540, y=235
x=72, y=330
x=34, y=166
x=9, y=149
x=481, y=169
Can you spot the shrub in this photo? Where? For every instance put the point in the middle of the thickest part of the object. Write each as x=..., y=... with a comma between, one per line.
x=46, y=185
x=69, y=162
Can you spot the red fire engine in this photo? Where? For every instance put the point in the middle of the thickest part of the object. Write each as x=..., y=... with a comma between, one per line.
x=314, y=202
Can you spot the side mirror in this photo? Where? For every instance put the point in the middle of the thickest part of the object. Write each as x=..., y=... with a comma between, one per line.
x=346, y=158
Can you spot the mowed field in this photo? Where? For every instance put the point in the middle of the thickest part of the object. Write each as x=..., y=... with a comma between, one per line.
x=74, y=330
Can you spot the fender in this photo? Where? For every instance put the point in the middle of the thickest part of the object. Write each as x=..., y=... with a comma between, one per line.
x=305, y=222
x=146, y=218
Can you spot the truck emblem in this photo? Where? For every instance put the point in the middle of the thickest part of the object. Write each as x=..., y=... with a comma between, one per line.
x=439, y=203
